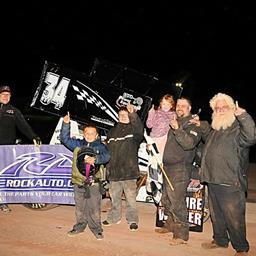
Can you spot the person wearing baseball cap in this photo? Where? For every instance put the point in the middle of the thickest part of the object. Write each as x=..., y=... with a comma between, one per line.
x=11, y=119
x=5, y=88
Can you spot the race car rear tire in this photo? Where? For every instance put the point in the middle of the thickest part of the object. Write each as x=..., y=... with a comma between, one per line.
x=40, y=206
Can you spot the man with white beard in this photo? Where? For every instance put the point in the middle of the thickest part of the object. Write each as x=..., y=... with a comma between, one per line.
x=224, y=164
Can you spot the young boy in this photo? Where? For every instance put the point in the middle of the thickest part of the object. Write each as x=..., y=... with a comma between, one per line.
x=88, y=155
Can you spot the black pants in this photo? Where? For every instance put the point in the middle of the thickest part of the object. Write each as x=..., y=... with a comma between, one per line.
x=174, y=203
x=227, y=209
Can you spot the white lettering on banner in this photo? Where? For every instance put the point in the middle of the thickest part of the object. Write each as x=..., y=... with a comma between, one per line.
x=60, y=194
x=38, y=193
x=195, y=218
x=195, y=214
x=20, y=194
x=7, y=193
x=29, y=193
x=28, y=183
x=54, y=193
x=195, y=206
x=42, y=193
x=194, y=203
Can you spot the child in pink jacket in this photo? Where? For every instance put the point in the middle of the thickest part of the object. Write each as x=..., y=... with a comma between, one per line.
x=159, y=119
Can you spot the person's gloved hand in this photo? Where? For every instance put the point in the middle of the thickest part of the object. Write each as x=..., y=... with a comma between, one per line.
x=37, y=141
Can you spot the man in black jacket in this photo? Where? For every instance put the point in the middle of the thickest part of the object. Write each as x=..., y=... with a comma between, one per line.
x=10, y=119
x=224, y=164
x=123, y=142
x=179, y=153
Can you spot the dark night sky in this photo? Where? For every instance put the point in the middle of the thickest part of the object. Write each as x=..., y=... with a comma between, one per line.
x=211, y=45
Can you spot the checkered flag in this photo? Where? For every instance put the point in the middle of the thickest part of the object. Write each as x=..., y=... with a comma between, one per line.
x=156, y=171
x=89, y=96
x=154, y=183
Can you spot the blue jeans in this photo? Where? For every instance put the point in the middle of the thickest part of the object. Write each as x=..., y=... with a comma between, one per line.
x=116, y=189
x=227, y=208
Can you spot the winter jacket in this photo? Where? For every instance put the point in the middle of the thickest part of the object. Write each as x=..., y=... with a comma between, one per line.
x=80, y=179
x=123, y=141
x=10, y=119
x=225, y=156
x=102, y=153
x=159, y=122
x=100, y=149
x=181, y=145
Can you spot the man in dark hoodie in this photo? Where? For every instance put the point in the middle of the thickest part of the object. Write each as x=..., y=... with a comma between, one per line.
x=11, y=119
x=88, y=156
x=123, y=142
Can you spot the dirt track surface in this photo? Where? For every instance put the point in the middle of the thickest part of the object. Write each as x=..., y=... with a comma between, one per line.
x=25, y=232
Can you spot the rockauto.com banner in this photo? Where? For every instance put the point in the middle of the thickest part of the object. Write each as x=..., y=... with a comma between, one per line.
x=87, y=99
x=29, y=174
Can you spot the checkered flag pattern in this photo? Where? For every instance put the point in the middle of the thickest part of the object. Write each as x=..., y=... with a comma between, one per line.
x=154, y=183
x=84, y=95
x=93, y=98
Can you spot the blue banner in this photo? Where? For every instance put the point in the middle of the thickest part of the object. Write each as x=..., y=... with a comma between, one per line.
x=30, y=174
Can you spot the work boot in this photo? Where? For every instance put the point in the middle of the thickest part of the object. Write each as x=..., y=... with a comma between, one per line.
x=74, y=232
x=181, y=231
x=177, y=241
x=169, y=224
x=162, y=230
x=167, y=227
x=213, y=245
